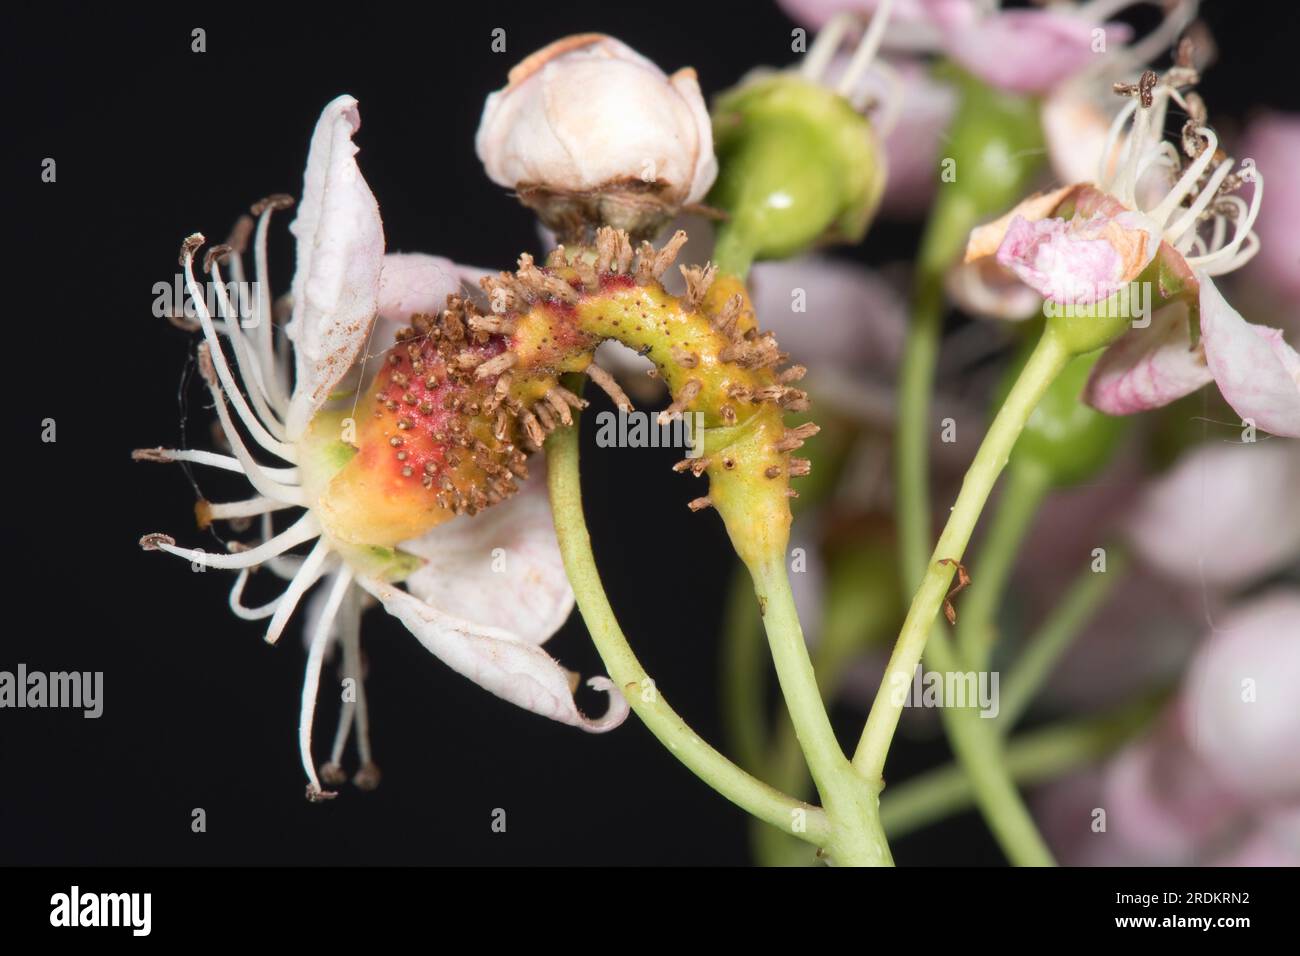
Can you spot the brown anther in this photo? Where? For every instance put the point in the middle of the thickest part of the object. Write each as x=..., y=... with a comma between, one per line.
x=556, y=259
x=240, y=233
x=605, y=382
x=191, y=245
x=274, y=202
x=772, y=471
x=728, y=414
x=791, y=493
x=316, y=795
x=158, y=454
x=793, y=374
x=800, y=467
x=213, y=254
x=696, y=466
x=963, y=582
x=152, y=542
x=700, y=503
x=543, y=412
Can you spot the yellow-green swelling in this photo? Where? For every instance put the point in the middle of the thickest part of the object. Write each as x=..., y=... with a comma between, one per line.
x=798, y=166
x=976, y=746
x=645, y=697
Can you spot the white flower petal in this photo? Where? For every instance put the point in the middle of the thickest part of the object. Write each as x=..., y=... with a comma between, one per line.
x=340, y=252
x=414, y=282
x=500, y=568
x=497, y=660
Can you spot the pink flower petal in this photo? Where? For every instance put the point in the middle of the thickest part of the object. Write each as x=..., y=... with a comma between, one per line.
x=1225, y=515
x=1027, y=51
x=1257, y=371
x=340, y=252
x=1148, y=367
x=1238, y=706
x=1082, y=260
x=1273, y=142
x=1162, y=804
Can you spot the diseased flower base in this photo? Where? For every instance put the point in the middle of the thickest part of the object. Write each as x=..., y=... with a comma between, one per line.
x=466, y=394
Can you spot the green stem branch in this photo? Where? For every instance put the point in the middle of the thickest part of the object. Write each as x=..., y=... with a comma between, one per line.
x=1044, y=648
x=852, y=806
x=1022, y=494
x=780, y=810
x=1031, y=758
x=1046, y=362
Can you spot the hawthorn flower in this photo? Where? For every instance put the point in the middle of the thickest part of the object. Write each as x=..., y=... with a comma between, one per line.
x=1224, y=515
x=1078, y=245
x=1216, y=780
x=484, y=586
x=588, y=130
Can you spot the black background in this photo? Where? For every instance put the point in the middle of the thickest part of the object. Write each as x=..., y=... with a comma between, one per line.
x=154, y=142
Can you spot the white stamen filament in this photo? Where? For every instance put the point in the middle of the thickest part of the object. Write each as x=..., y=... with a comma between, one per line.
x=245, y=361
x=237, y=601
x=285, y=566
x=866, y=51
x=1189, y=220
x=278, y=390
x=891, y=106
x=224, y=375
x=311, y=680
x=1190, y=177
x=350, y=636
x=313, y=566
x=254, y=472
x=224, y=462
x=304, y=529
x=826, y=46
x=1242, y=231
x=1104, y=175
x=247, y=508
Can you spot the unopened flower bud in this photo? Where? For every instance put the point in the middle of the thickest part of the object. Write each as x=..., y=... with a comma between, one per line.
x=800, y=166
x=588, y=132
